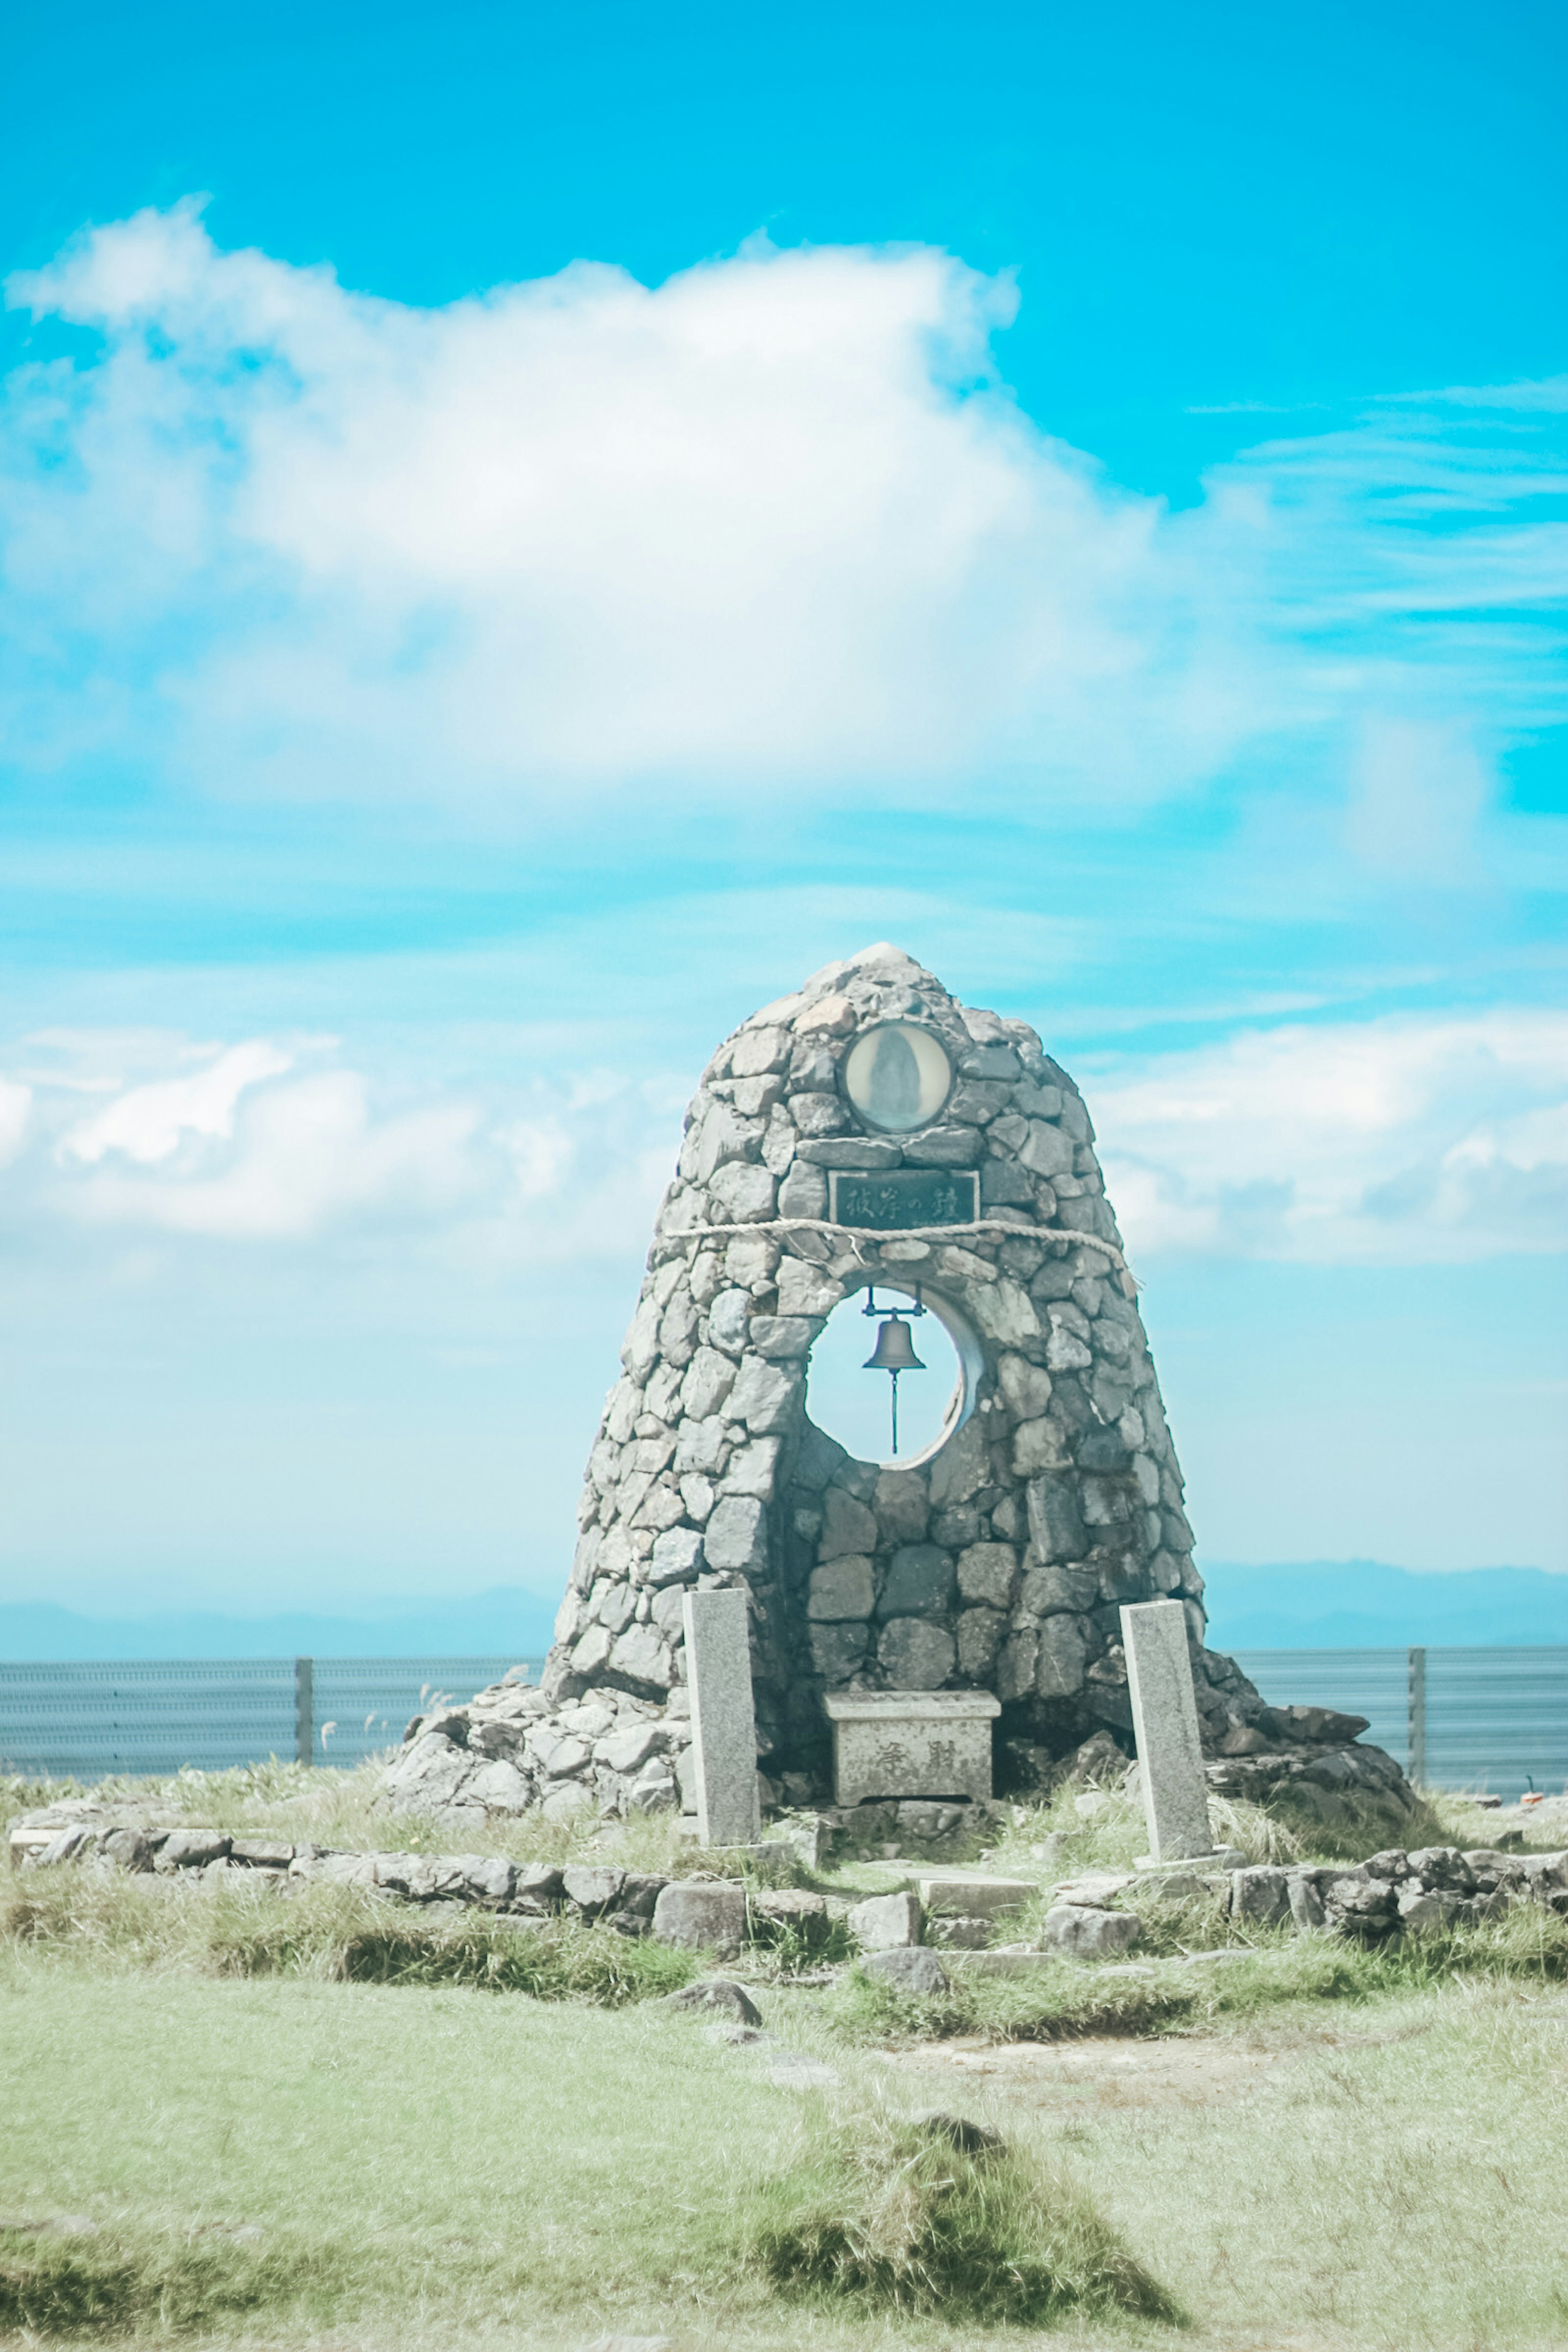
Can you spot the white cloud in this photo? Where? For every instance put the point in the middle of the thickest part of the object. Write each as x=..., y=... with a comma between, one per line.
x=16, y=1109
x=1403, y=1140
x=149, y=1123
x=235, y=1144
x=1408, y=1140
x=775, y=518
x=309, y=1154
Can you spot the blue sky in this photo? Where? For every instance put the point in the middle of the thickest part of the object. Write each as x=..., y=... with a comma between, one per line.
x=524, y=534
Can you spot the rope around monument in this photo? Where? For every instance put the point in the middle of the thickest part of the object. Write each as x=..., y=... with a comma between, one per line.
x=855, y=1235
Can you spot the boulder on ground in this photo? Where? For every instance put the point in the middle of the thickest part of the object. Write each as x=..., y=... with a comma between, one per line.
x=1090, y=1935
x=909, y=1969
x=706, y=1915
x=887, y=1923
x=720, y=1996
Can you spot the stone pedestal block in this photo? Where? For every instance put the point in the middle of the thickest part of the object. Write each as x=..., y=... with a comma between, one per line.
x=912, y=1744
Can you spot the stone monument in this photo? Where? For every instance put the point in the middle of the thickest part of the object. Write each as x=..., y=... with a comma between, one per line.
x=867, y=1129
x=1165, y=1728
x=724, y=1726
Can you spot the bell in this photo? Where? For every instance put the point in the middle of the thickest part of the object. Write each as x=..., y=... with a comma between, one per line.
x=894, y=1350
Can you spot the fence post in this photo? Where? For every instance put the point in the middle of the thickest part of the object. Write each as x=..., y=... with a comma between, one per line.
x=1416, y=1742
x=305, y=1709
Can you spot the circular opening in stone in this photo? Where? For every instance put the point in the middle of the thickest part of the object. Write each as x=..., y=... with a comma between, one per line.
x=855, y=1406
x=898, y=1077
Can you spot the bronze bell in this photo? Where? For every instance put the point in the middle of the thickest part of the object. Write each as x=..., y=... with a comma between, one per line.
x=895, y=1350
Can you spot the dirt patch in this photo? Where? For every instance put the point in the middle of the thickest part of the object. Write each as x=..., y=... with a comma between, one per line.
x=1105, y=2071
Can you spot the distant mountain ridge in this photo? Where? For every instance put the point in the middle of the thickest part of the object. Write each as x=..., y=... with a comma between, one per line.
x=1334, y=1604
x=1325, y=1604
x=504, y=1623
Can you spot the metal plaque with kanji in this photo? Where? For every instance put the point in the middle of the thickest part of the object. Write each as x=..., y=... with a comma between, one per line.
x=898, y=1198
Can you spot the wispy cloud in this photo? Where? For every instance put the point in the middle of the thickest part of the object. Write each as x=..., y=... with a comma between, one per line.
x=1397, y=1141
x=1394, y=1141
x=240, y=1144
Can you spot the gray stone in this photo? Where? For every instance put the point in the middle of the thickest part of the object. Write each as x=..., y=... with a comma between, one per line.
x=851, y=1151
x=718, y=1676
x=967, y=1894
x=1261, y=1895
x=1166, y=1722
x=980, y=1633
x=677, y=1555
x=704, y=1915
x=190, y=1849
x=846, y=1525
x=710, y=1378
x=793, y=1910
x=741, y=1194
x=500, y=1788
x=593, y=1891
x=915, y=1655
x=643, y=1658
x=803, y=1192
x=1056, y=1523
x=628, y=1750
x=836, y=1651
x=763, y=1397
x=713, y=1996
x=902, y=1506
x=944, y=1147
x=1063, y=1654
x=782, y=1337
x=736, y=1536
x=261, y=1854
x=749, y=1470
x=1090, y=1934
x=986, y=1571
x=886, y=1922
x=920, y=1582
x=729, y=1320
x=842, y=1589
x=908, y=1968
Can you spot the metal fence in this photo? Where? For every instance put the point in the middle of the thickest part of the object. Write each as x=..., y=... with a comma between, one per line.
x=153, y=1716
x=1456, y=1718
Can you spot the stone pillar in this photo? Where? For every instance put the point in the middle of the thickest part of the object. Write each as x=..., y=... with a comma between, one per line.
x=1165, y=1724
x=723, y=1726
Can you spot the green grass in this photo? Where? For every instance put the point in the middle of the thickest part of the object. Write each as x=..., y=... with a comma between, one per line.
x=1058, y=2000
x=125, y=2281
x=1403, y=2194
x=871, y=2210
x=330, y=1933
x=307, y=2163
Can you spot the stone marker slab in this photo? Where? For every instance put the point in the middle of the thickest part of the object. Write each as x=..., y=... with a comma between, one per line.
x=724, y=1725
x=966, y=1893
x=1165, y=1722
x=912, y=1744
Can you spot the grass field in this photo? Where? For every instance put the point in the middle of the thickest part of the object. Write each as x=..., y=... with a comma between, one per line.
x=423, y=2162
x=1312, y=2148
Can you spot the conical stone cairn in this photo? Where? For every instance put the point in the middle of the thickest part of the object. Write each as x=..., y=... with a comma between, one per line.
x=867, y=1130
